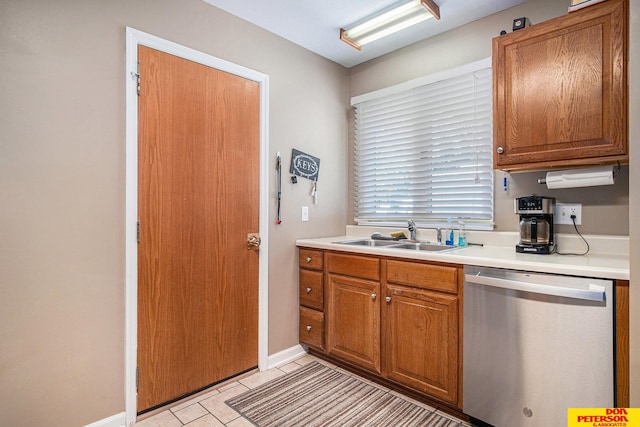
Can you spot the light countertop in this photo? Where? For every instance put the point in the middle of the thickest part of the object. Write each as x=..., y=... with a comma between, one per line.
x=594, y=264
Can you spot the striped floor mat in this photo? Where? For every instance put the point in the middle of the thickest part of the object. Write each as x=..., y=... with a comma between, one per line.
x=318, y=396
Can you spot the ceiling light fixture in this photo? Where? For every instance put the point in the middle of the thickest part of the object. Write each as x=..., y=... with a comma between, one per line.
x=390, y=21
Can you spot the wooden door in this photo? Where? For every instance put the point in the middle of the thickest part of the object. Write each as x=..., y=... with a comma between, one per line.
x=421, y=341
x=198, y=197
x=353, y=321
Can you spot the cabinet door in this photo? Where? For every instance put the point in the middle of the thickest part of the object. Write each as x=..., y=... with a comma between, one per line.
x=421, y=341
x=353, y=321
x=560, y=94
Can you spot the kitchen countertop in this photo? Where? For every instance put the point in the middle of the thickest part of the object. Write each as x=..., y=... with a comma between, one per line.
x=599, y=265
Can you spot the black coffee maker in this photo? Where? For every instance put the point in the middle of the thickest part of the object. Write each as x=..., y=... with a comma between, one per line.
x=536, y=224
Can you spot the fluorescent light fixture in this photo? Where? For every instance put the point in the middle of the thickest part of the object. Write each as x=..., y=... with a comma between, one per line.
x=390, y=21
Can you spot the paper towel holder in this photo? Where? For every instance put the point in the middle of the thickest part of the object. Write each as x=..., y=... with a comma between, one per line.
x=586, y=177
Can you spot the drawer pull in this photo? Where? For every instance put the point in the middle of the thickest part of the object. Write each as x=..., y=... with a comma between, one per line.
x=308, y=290
x=388, y=299
x=308, y=328
x=308, y=259
x=373, y=296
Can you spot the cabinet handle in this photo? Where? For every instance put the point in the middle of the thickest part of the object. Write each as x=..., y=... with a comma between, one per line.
x=308, y=259
x=308, y=328
x=500, y=150
x=388, y=299
x=308, y=290
x=373, y=296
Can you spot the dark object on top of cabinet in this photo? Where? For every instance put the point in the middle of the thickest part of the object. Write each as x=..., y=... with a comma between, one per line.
x=520, y=23
x=560, y=91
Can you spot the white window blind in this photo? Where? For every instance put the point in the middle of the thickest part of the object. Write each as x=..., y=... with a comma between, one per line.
x=423, y=150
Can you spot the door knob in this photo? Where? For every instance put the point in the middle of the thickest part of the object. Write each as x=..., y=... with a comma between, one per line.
x=308, y=290
x=253, y=241
x=373, y=296
x=308, y=259
x=388, y=299
x=500, y=150
x=308, y=328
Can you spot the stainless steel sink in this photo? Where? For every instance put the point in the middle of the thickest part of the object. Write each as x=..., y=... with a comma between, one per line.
x=399, y=244
x=369, y=242
x=425, y=246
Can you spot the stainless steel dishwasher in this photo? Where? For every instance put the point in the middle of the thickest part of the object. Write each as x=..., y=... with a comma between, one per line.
x=535, y=345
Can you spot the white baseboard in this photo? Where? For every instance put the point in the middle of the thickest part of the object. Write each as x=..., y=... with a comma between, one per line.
x=285, y=356
x=281, y=358
x=117, y=420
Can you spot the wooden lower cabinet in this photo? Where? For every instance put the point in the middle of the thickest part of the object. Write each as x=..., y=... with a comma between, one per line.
x=421, y=341
x=353, y=321
x=398, y=320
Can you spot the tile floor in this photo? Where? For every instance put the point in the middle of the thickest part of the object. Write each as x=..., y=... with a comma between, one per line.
x=209, y=409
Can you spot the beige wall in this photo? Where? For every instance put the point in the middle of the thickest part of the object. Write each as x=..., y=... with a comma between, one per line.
x=605, y=210
x=62, y=180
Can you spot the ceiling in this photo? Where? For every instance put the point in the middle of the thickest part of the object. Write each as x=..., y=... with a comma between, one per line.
x=315, y=24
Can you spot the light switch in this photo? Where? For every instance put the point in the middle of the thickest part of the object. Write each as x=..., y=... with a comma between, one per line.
x=305, y=213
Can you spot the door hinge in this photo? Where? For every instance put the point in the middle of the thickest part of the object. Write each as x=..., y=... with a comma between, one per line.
x=138, y=79
x=136, y=76
x=138, y=231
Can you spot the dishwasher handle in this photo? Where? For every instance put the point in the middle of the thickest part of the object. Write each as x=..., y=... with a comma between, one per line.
x=593, y=293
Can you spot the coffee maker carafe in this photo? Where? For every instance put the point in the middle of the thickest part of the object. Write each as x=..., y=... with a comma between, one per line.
x=536, y=224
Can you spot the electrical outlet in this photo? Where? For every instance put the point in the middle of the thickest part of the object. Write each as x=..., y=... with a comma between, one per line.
x=305, y=213
x=564, y=212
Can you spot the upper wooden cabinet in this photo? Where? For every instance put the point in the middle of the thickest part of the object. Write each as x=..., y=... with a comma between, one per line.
x=560, y=91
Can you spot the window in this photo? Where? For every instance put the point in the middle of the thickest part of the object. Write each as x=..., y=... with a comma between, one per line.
x=423, y=150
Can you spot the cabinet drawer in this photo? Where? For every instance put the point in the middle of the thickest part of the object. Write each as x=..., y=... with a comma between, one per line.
x=356, y=266
x=310, y=259
x=425, y=276
x=311, y=328
x=311, y=288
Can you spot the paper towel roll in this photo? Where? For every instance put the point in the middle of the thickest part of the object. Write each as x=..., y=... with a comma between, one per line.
x=588, y=177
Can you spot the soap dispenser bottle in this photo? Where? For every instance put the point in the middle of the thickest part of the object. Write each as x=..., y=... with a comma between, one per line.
x=462, y=234
x=448, y=233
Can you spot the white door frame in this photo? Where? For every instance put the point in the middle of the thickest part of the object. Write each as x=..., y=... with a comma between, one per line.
x=135, y=38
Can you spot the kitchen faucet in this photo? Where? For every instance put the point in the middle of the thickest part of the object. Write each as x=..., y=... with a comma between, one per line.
x=412, y=230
